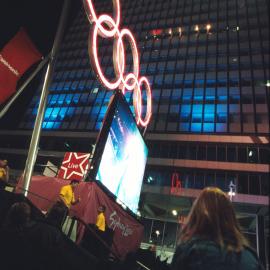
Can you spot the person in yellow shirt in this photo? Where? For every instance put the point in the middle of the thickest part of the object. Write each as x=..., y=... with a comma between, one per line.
x=101, y=221
x=2, y=178
x=4, y=173
x=59, y=211
x=66, y=194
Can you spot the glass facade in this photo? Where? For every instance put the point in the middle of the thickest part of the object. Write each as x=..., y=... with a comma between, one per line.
x=207, y=62
x=169, y=233
x=210, y=152
x=208, y=65
x=246, y=183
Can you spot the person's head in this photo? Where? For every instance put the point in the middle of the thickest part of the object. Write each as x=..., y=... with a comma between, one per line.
x=3, y=163
x=55, y=215
x=212, y=217
x=19, y=214
x=153, y=248
x=101, y=209
x=74, y=183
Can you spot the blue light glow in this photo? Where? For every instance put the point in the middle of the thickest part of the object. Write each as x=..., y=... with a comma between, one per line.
x=208, y=127
x=198, y=112
x=196, y=127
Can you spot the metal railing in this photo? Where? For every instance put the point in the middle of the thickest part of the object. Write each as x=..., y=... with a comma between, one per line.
x=68, y=231
x=94, y=233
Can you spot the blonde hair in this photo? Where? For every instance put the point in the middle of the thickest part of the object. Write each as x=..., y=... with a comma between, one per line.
x=212, y=217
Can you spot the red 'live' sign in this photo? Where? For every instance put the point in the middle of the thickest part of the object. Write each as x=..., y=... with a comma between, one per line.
x=74, y=165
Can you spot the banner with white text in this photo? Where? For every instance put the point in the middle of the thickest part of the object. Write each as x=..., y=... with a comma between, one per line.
x=15, y=58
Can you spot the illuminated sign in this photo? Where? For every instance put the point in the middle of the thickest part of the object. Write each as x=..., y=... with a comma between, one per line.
x=176, y=185
x=74, y=166
x=108, y=27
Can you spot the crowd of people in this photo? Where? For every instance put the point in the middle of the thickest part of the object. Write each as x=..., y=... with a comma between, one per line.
x=30, y=243
x=210, y=239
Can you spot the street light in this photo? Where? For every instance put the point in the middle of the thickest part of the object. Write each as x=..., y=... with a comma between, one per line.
x=232, y=190
x=208, y=27
x=180, y=31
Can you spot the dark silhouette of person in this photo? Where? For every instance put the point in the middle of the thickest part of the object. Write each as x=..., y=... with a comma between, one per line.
x=212, y=239
x=97, y=238
x=29, y=244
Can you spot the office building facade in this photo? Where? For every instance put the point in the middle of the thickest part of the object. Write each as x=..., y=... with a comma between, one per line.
x=208, y=65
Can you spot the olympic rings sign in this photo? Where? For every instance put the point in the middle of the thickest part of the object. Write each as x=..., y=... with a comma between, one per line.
x=108, y=27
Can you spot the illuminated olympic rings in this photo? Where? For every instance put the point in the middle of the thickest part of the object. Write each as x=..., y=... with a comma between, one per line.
x=108, y=27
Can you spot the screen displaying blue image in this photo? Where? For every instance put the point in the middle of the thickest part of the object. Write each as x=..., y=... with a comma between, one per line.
x=123, y=160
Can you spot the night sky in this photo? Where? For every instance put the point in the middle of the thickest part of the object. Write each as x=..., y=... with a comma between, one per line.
x=39, y=18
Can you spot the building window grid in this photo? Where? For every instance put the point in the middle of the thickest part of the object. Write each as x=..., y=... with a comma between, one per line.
x=180, y=124
x=263, y=57
x=185, y=73
x=239, y=75
x=199, y=178
x=227, y=66
x=168, y=123
x=239, y=153
x=211, y=127
x=152, y=68
x=217, y=97
x=252, y=77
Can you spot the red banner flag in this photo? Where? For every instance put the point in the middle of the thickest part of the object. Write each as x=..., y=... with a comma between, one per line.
x=128, y=232
x=15, y=58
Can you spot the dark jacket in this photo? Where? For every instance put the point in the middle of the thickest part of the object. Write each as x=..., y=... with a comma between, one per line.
x=198, y=254
x=39, y=246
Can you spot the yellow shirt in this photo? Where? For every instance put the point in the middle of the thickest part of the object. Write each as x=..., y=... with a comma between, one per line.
x=3, y=174
x=67, y=195
x=101, y=222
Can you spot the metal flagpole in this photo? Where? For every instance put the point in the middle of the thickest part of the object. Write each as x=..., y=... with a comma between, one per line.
x=33, y=149
x=29, y=79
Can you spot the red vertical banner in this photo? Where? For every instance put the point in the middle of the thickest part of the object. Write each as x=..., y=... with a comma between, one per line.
x=176, y=185
x=15, y=58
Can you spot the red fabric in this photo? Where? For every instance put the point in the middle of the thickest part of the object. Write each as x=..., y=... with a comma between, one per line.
x=74, y=165
x=47, y=190
x=15, y=58
x=128, y=232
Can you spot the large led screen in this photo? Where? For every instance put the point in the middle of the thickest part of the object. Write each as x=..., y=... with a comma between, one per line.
x=122, y=165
